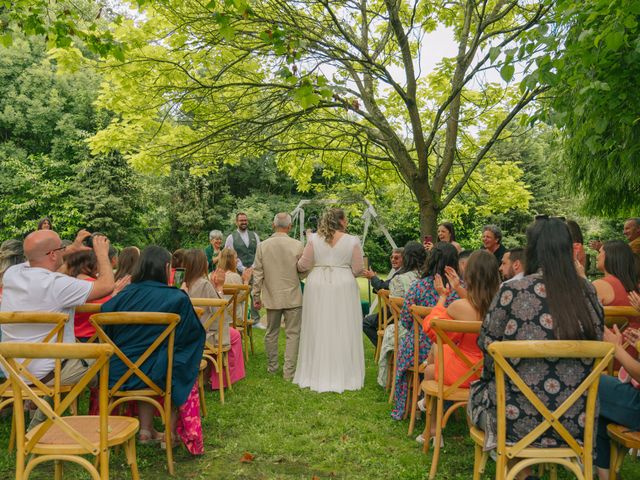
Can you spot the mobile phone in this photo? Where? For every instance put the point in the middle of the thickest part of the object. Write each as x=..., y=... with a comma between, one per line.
x=428, y=239
x=178, y=277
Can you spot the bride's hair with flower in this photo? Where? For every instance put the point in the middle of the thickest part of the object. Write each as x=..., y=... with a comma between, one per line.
x=330, y=223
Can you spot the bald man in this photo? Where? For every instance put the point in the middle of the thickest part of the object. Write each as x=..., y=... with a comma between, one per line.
x=37, y=286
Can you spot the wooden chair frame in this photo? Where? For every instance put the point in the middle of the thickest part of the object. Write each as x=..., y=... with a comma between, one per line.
x=618, y=316
x=575, y=457
x=395, y=306
x=147, y=395
x=240, y=296
x=436, y=392
x=77, y=430
x=216, y=354
x=383, y=319
x=418, y=312
x=58, y=322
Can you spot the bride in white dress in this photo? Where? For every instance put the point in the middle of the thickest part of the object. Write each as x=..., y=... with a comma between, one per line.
x=331, y=354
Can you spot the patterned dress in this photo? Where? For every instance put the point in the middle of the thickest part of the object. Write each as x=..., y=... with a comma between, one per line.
x=520, y=312
x=422, y=293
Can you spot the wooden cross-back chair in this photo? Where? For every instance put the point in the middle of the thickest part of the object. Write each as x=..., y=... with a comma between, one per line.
x=216, y=353
x=436, y=392
x=61, y=438
x=57, y=321
x=417, y=313
x=383, y=319
x=623, y=440
x=240, y=298
x=395, y=305
x=152, y=390
x=576, y=456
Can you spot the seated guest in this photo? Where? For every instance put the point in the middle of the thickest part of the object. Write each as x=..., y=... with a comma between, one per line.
x=177, y=261
x=550, y=303
x=37, y=286
x=512, y=265
x=463, y=258
x=447, y=234
x=213, y=249
x=83, y=265
x=127, y=261
x=228, y=265
x=149, y=292
x=197, y=285
x=492, y=241
x=616, y=260
x=45, y=223
x=618, y=398
x=482, y=282
x=370, y=322
x=423, y=293
x=413, y=260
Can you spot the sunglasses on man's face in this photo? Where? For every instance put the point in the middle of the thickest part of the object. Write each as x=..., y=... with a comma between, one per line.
x=59, y=249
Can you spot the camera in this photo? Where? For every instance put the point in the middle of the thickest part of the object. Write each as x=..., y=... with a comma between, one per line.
x=88, y=241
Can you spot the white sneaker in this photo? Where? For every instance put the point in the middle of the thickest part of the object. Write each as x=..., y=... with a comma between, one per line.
x=421, y=405
x=420, y=440
x=259, y=326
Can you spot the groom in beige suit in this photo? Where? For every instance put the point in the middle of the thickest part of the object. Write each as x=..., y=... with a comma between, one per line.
x=276, y=286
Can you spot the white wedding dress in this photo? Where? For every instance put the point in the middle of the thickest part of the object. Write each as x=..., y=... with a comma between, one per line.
x=331, y=353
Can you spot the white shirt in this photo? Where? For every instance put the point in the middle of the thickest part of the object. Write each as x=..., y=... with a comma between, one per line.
x=30, y=289
x=517, y=276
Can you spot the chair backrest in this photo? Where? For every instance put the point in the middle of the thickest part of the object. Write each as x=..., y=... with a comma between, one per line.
x=170, y=320
x=10, y=352
x=217, y=316
x=383, y=309
x=240, y=298
x=442, y=328
x=418, y=312
x=58, y=322
x=89, y=308
x=600, y=352
x=619, y=315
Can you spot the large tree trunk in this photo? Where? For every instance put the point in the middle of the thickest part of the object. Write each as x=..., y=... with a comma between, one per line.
x=428, y=209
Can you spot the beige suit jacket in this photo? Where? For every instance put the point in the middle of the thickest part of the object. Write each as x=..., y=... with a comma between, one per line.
x=275, y=276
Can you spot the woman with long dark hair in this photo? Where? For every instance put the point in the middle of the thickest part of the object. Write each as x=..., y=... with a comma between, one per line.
x=446, y=233
x=149, y=292
x=552, y=302
x=482, y=282
x=617, y=261
x=421, y=292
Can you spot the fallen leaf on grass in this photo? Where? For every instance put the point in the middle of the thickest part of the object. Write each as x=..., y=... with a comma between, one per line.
x=247, y=458
x=344, y=438
x=315, y=477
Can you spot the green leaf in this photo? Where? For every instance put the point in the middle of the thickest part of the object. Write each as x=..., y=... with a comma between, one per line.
x=506, y=72
x=6, y=40
x=614, y=40
x=494, y=52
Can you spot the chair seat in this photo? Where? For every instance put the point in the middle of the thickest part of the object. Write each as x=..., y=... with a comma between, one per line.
x=8, y=393
x=623, y=436
x=430, y=387
x=477, y=435
x=56, y=440
x=214, y=351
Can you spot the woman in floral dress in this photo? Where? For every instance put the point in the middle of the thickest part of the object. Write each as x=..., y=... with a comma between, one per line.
x=552, y=302
x=421, y=293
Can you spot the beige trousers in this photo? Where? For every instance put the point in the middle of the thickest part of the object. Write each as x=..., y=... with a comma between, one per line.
x=292, y=321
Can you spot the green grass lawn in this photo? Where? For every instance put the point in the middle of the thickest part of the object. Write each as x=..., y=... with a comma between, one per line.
x=297, y=434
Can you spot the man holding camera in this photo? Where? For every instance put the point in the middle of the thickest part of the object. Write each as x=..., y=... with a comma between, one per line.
x=40, y=285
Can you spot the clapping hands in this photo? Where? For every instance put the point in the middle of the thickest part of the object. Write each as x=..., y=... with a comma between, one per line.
x=438, y=284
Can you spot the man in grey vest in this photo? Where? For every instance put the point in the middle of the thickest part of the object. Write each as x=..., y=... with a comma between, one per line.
x=276, y=285
x=245, y=242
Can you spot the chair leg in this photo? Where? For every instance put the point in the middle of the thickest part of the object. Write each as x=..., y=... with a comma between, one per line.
x=132, y=460
x=57, y=470
x=169, y=443
x=251, y=340
x=477, y=461
x=409, y=389
x=220, y=379
x=203, y=406
x=392, y=395
x=614, y=462
x=12, y=435
x=414, y=402
x=438, y=437
x=429, y=401
x=376, y=352
x=553, y=471
x=225, y=362
x=245, y=337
